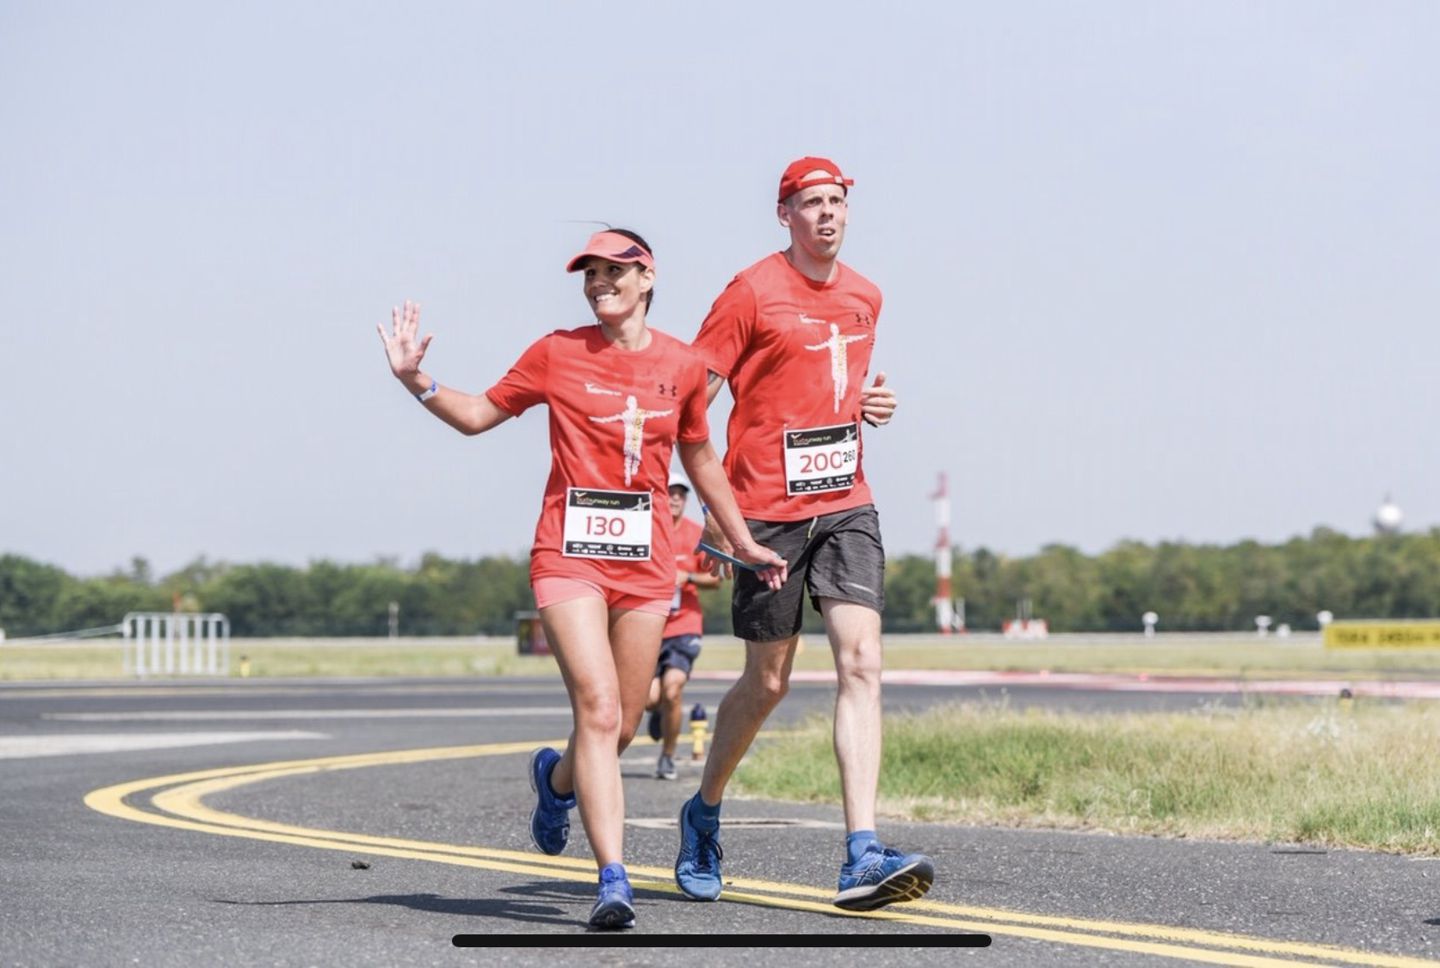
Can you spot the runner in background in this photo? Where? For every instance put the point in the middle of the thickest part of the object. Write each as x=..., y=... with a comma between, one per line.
x=680, y=646
x=793, y=335
x=621, y=396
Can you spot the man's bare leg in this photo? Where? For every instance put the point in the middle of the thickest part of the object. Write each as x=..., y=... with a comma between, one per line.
x=742, y=712
x=744, y=709
x=854, y=632
x=873, y=875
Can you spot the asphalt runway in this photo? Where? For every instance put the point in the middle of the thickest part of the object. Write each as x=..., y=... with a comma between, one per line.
x=266, y=822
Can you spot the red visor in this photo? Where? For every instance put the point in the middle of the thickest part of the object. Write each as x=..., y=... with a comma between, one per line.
x=794, y=178
x=615, y=247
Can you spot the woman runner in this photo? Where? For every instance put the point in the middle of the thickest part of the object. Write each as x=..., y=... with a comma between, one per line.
x=621, y=396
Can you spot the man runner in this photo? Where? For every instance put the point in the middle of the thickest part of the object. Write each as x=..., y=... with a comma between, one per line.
x=793, y=335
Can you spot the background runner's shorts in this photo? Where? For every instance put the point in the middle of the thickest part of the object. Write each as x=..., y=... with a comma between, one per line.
x=836, y=555
x=678, y=652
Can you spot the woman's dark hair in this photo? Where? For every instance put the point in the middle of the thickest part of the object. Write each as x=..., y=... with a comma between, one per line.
x=640, y=241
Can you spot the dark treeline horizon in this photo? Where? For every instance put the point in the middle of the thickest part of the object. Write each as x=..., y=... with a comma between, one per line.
x=1192, y=587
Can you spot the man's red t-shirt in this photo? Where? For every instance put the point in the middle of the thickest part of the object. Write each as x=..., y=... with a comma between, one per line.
x=615, y=415
x=686, y=617
x=796, y=353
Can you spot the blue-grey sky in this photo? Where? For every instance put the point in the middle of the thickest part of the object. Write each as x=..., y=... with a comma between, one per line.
x=1151, y=270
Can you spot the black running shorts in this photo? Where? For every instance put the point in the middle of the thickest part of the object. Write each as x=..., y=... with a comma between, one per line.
x=836, y=555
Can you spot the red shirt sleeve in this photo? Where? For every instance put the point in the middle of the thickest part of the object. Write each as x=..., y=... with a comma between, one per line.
x=727, y=329
x=524, y=386
x=694, y=425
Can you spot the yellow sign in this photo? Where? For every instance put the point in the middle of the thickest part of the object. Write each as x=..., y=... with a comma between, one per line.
x=1383, y=635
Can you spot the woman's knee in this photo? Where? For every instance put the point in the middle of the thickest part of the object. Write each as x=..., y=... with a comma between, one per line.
x=598, y=714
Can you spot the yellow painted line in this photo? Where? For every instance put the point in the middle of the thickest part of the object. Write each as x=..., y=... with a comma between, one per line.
x=181, y=796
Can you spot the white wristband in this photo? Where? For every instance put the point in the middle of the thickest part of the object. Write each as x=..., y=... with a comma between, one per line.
x=434, y=389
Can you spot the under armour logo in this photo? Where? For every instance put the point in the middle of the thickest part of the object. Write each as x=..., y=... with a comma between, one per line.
x=670, y=391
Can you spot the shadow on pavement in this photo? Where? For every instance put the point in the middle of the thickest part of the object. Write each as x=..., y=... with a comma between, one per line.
x=526, y=906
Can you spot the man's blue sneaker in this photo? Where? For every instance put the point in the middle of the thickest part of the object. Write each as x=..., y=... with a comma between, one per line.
x=883, y=876
x=615, y=904
x=697, y=868
x=652, y=726
x=550, y=820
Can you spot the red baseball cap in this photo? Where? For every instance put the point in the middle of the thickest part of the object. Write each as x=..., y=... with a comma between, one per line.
x=615, y=247
x=794, y=178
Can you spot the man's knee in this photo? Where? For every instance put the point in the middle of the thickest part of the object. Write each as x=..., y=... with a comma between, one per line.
x=860, y=672
x=859, y=662
x=854, y=633
x=767, y=669
x=769, y=686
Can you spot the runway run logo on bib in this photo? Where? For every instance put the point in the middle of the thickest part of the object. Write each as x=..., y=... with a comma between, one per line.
x=632, y=418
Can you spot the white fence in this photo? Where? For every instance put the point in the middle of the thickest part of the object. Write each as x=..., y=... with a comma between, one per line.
x=176, y=643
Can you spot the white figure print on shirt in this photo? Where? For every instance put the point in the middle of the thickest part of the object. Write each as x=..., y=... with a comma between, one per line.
x=634, y=422
x=839, y=363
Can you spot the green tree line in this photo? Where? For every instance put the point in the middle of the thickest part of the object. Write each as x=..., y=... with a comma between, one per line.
x=1191, y=587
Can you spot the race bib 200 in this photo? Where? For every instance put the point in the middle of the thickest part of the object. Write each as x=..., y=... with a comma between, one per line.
x=821, y=458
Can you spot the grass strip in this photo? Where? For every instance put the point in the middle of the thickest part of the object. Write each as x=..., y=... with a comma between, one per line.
x=1332, y=774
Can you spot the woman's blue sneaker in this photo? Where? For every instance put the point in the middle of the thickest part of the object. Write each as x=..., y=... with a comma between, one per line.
x=550, y=820
x=697, y=868
x=883, y=876
x=615, y=904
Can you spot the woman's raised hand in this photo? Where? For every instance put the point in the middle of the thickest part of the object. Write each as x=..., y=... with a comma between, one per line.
x=401, y=347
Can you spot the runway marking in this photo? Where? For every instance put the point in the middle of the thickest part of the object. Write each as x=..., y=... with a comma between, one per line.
x=176, y=801
x=70, y=744
x=186, y=715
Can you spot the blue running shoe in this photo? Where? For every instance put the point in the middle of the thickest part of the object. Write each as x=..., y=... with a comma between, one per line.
x=697, y=868
x=652, y=726
x=615, y=904
x=550, y=820
x=883, y=876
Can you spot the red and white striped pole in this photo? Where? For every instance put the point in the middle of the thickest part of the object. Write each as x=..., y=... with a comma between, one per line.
x=944, y=604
